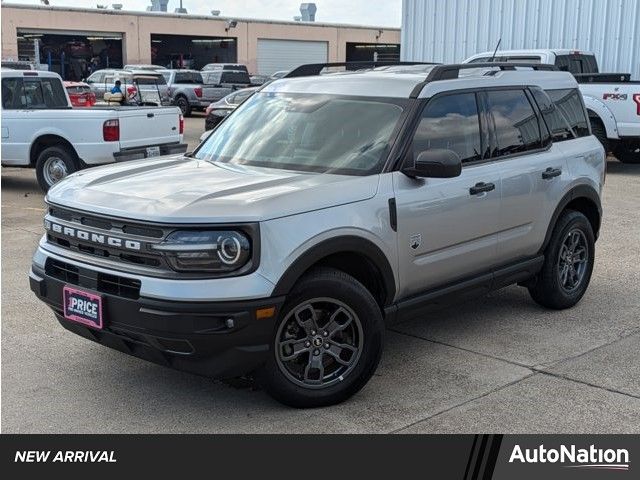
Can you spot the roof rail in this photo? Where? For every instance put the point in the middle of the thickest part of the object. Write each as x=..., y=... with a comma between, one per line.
x=452, y=71
x=313, y=69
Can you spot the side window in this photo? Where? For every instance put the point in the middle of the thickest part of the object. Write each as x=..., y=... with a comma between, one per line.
x=570, y=104
x=53, y=93
x=554, y=119
x=516, y=123
x=450, y=122
x=96, y=77
x=12, y=93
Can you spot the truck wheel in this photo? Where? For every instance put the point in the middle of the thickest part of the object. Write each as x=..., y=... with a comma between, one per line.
x=327, y=344
x=568, y=263
x=183, y=104
x=627, y=153
x=598, y=130
x=54, y=164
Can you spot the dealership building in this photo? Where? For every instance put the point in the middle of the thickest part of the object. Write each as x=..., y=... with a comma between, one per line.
x=72, y=41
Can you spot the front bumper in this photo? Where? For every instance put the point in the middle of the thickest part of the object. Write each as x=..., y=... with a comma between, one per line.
x=214, y=339
x=139, y=153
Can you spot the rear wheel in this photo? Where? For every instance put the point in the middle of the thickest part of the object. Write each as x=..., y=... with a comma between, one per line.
x=327, y=343
x=568, y=263
x=183, y=104
x=598, y=130
x=54, y=164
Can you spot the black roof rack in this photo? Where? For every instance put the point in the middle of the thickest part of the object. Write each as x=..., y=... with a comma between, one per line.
x=449, y=72
x=312, y=69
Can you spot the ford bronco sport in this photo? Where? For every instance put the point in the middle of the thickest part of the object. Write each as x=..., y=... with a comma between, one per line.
x=322, y=207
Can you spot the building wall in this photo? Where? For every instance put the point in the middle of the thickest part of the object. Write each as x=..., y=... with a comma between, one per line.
x=452, y=30
x=137, y=28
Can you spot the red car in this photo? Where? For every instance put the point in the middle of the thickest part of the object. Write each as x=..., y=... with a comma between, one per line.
x=80, y=94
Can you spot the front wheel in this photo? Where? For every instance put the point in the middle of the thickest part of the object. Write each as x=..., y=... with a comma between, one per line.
x=568, y=263
x=327, y=342
x=54, y=164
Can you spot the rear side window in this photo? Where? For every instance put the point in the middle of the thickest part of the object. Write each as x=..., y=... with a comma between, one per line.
x=577, y=63
x=450, y=122
x=211, y=78
x=235, y=77
x=20, y=93
x=516, y=123
x=188, y=77
x=554, y=119
x=570, y=104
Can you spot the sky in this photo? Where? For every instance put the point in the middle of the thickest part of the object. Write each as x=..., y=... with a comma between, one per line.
x=365, y=12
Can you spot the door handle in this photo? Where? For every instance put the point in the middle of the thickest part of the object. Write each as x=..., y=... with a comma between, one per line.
x=481, y=187
x=551, y=173
x=150, y=115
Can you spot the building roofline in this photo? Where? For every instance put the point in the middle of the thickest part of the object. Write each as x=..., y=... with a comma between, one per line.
x=183, y=16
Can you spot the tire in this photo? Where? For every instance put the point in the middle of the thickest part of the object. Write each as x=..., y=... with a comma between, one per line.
x=54, y=164
x=598, y=130
x=183, y=104
x=627, y=154
x=548, y=289
x=291, y=377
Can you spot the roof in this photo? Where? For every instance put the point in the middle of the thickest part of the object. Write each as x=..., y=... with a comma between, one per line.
x=400, y=84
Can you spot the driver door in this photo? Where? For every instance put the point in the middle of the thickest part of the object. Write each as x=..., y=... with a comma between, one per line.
x=447, y=227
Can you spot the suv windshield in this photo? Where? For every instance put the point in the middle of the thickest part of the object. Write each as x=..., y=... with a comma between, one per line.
x=315, y=133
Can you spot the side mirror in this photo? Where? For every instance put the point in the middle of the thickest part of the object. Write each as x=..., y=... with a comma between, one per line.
x=435, y=163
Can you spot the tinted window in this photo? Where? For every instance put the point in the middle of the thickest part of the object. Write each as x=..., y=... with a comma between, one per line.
x=516, y=124
x=570, y=104
x=188, y=77
x=33, y=93
x=235, y=77
x=577, y=63
x=450, y=122
x=555, y=121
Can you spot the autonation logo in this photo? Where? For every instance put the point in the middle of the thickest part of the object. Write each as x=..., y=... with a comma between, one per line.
x=573, y=457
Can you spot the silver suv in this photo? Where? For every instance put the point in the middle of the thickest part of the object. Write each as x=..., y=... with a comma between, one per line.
x=319, y=209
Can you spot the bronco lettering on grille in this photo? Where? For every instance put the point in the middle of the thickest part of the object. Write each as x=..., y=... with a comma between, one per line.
x=92, y=237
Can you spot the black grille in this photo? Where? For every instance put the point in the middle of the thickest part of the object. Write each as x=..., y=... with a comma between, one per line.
x=63, y=271
x=119, y=286
x=92, y=280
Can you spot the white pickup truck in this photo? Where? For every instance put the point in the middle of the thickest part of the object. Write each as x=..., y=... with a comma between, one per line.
x=612, y=99
x=41, y=130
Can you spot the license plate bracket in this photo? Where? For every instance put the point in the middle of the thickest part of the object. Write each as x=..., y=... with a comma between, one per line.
x=153, y=152
x=82, y=307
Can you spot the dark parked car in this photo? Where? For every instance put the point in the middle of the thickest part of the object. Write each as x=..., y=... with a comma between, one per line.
x=217, y=111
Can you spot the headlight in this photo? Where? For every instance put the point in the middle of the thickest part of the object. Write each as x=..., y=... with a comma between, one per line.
x=218, y=251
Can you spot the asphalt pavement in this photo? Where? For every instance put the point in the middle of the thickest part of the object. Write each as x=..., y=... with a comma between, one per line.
x=498, y=363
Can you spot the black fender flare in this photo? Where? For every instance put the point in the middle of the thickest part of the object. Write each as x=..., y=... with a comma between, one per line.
x=341, y=244
x=580, y=191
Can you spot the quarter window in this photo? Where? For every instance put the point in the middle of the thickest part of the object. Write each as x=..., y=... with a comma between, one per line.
x=570, y=104
x=556, y=122
x=450, y=122
x=516, y=123
x=20, y=93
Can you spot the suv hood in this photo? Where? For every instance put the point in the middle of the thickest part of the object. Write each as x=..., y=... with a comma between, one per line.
x=179, y=189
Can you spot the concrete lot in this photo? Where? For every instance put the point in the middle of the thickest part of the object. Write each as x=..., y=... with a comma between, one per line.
x=494, y=364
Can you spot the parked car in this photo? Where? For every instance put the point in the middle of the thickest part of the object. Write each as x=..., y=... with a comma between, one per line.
x=185, y=90
x=259, y=79
x=41, y=130
x=150, y=83
x=321, y=208
x=80, y=94
x=221, y=82
x=224, y=66
x=217, y=111
x=143, y=66
x=612, y=99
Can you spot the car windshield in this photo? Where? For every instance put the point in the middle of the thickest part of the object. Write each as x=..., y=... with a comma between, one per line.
x=314, y=133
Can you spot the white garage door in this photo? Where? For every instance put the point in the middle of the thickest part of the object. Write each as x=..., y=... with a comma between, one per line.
x=275, y=55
